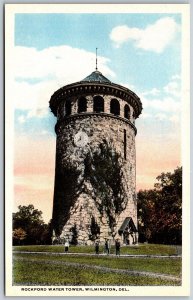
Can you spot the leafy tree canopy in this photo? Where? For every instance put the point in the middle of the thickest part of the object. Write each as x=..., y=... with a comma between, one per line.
x=160, y=209
x=19, y=234
x=30, y=221
x=28, y=214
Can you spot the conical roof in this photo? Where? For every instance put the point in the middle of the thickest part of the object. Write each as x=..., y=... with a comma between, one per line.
x=96, y=76
x=89, y=84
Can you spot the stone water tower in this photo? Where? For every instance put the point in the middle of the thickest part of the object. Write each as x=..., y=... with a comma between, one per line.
x=95, y=172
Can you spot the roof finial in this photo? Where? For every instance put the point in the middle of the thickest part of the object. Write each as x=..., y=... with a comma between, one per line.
x=96, y=59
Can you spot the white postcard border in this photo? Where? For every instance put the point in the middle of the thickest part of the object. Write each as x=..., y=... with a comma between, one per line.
x=10, y=10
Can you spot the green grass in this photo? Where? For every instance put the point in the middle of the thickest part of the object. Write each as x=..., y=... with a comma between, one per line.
x=141, y=249
x=155, y=265
x=51, y=269
x=26, y=272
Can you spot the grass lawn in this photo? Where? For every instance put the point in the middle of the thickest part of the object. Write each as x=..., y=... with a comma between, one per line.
x=28, y=273
x=53, y=269
x=155, y=265
x=148, y=249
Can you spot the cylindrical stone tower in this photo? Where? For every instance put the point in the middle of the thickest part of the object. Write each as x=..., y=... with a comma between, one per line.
x=95, y=172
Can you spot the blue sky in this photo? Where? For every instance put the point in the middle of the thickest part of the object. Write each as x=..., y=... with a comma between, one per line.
x=140, y=69
x=140, y=51
x=88, y=31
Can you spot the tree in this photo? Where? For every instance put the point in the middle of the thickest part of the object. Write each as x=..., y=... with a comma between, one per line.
x=46, y=236
x=30, y=220
x=146, y=214
x=160, y=210
x=28, y=214
x=19, y=235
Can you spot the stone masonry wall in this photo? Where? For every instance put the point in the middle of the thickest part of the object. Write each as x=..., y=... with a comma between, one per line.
x=75, y=202
x=107, y=100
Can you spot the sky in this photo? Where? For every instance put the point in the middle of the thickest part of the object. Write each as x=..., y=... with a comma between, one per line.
x=139, y=51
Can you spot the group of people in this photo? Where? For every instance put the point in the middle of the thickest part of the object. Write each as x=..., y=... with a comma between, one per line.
x=107, y=247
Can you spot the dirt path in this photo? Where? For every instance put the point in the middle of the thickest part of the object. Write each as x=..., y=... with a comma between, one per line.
x=101, y=254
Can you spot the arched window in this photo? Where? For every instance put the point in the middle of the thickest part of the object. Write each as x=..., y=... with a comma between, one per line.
x=127, y=112
x=115, y=107
x=98, y=104
x=68, y=108
x=82, y=105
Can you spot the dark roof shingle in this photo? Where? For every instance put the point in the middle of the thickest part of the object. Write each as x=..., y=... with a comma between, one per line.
x=128, y=222
x=96, y=76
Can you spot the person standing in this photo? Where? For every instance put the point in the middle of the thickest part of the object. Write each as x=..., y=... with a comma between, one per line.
x=107, y=248
x=97, y=247
x=66, y=246
x=117, y=247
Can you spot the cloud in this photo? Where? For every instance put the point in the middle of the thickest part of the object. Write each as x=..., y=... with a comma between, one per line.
x=38, y=74
x=161, y=116
x=21, y=119
x=128, y=86
x=166, y=100
x=153, y=92
x=122, y=34
x=32, y=97
x=145, y=115
x=176, y=77
x=167, y=104
x=62, y=63
x=155, y=37
x=173, y=88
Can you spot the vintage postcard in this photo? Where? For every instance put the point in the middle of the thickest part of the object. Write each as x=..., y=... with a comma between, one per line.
x=97, y=193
